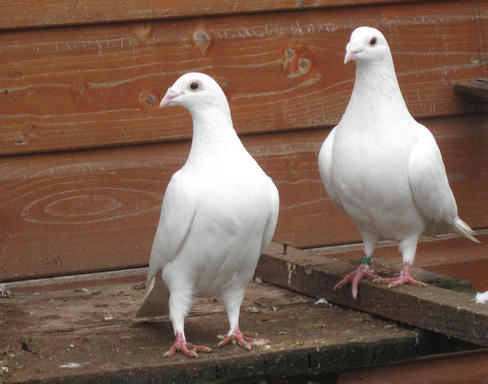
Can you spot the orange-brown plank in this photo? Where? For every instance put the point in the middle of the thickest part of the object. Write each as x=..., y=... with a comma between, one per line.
x=92, y=210
x=474, y=271
x=34, y=13
x=65, y=88
x=463, y=367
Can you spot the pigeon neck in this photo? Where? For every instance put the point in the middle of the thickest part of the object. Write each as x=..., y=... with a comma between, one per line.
x=376, y=86
x=213, y=133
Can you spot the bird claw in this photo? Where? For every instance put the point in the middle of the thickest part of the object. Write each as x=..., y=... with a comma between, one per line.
x=400, y=280
x=362, y=271
x=404, y=278
x=182, y=349
x=199, y=348
x=187, y=349
x=237, y=337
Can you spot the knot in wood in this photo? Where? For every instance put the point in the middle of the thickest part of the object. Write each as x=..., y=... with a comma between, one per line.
x=142, y=30
x=202, y=40
x=148, y=98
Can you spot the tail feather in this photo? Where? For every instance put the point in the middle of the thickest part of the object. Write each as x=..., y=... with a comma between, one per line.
x=156, y=298
x=465, y=230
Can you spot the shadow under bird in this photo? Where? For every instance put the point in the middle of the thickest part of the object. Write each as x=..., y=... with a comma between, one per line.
x=382, y=168
x=219, y=214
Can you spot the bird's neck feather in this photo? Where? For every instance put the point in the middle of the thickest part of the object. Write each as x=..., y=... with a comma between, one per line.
x=213, y=133
x=376, y=90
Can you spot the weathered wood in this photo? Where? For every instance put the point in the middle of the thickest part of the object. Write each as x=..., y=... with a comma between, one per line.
x=475, y=90
x=98, y=210
x=71, y=88
x=462, y=367
x=87, y=336
x=78, y=281
x=34, y=13
x=440, y=310
x=452, y=256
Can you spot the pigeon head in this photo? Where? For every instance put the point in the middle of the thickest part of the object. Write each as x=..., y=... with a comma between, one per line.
x=194, y=91
x=367, y=45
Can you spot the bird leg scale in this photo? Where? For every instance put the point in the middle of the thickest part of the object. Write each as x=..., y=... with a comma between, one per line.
x=237, y=337
x=362, y=271
x=185, y=348
x=404, y=278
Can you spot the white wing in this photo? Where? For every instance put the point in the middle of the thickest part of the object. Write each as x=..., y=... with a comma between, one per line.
x=273, y=216
x=175, y=222
x=428, y=181
x=177, y=215
x=325, y=168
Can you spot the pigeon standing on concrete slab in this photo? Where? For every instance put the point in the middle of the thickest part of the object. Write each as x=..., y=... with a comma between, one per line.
x=219, y=214
x=382, y=168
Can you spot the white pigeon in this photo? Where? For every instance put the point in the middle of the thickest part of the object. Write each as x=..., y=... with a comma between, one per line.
x=482, y=298
x=219, y=214
x=382, y=168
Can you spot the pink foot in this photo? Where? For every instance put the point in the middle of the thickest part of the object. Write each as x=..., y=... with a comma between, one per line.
x=404, y=278
x=185, y=348
x=362, y=271
x=238, y=337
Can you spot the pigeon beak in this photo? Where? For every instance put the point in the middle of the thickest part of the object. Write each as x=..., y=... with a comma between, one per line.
x=351, y=52
x=169, y=97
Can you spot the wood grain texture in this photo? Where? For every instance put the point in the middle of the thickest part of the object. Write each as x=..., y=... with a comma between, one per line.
x=436, y=309
x=96, y=210
x=97, y=86
x=34, y=13
x=474, y=90
x=94, y=328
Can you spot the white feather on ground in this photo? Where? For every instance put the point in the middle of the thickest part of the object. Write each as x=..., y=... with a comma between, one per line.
x=482, y=298
x=219, y=214
x=381, y=167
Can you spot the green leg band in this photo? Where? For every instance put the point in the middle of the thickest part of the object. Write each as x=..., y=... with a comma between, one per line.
x=365, y=260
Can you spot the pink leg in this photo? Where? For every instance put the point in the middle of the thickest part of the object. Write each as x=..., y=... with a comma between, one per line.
x=181, y=345
x=238, y=337
x=362, y=271
x=404, y=278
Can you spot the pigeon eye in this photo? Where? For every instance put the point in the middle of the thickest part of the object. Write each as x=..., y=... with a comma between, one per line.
x=372, y=41
x=194, y=86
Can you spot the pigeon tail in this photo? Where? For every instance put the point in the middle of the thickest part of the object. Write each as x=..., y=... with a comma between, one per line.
x=465, y=230
x=156, y=298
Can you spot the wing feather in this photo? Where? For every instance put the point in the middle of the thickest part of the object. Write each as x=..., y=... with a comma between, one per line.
x=325, y=168
x=428, y=181
x=273, y=216
x=177, y=214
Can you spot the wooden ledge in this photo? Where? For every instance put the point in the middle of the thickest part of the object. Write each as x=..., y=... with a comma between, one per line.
x=441, y=310
x=87, y=335
x=80, y=329
x=475, y=91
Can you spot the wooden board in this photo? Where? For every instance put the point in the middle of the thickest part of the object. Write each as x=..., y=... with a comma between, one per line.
x=98, y=210
x=96, y=86
x=456, y=257
x=21, y=14
x=463, y=367
x=474, y=91
x=436, y=309
x=86, y=335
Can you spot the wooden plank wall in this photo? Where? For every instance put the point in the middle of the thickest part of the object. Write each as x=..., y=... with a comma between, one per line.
x=85, y=154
